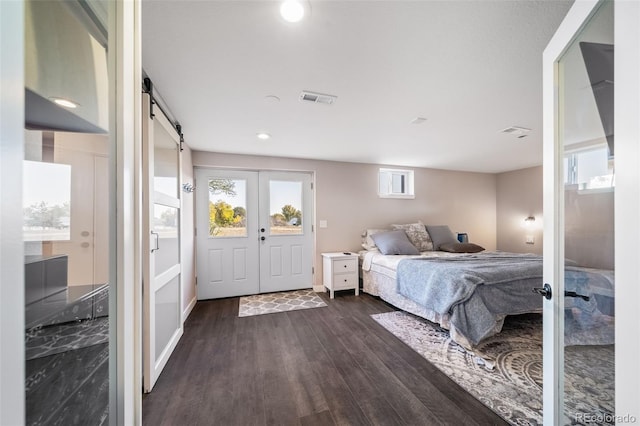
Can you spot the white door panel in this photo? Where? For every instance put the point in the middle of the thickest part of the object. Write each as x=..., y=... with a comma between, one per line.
x=227, y=255
x=286, y=250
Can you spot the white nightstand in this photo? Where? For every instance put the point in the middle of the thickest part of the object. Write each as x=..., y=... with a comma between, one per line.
x=340, y=272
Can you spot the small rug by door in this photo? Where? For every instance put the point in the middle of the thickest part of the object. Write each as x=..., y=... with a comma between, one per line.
x=513, y=389
x=285, y=301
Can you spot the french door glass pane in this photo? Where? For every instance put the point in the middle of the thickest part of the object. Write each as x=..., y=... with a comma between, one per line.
x=285, y=207
x=586, y=114
x=165, y=226
x=227, y=208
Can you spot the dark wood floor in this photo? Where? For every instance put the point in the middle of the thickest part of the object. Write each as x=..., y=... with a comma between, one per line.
x=320, y=366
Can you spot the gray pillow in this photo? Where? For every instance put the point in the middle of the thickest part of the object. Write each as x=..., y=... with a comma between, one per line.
x=394, y=242
x=461, y=247
x=441, y=235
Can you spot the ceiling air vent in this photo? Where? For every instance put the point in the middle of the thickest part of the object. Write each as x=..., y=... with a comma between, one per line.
x=317, y=98
x=518, y=132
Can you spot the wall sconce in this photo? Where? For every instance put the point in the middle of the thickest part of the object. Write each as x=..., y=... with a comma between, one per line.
x=188, y=187
x=528, y=223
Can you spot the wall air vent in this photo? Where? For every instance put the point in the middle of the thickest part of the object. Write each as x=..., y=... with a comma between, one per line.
x=518, y=132
x=317, y=98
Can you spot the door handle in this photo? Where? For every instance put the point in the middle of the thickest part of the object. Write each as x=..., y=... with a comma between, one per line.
x=543, y=291
x=574, y=294
x=157, y=241
x=262, y=238
x=262, y=229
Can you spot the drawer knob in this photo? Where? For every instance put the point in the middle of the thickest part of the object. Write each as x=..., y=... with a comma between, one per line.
x=345, y=280
x=345, y=266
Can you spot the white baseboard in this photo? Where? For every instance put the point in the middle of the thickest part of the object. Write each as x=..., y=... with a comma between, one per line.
x=187, y=311
x=318, y=288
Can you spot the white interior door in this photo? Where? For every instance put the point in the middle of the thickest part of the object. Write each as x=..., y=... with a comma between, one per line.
x=161, y=247
x=254, y=232
x=579, y=189
x=286, y=238
x=227, y=237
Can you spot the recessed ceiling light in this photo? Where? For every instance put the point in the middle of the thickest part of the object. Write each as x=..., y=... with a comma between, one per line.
x=271, y=99
x=65, y=102
x=292, y=11
x=263, y=136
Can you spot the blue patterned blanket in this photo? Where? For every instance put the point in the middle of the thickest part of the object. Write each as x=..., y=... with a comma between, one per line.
x=476, y=290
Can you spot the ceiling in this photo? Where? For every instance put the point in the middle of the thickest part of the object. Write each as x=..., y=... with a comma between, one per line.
x=471, y=68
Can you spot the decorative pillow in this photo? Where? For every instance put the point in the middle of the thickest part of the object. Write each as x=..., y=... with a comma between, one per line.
x=367, y=241
x=418, y=235
x=461, y=247
x=394, y=242
x=440, y=235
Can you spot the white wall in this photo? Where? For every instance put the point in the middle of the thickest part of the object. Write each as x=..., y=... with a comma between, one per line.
x=627, y=207
x=347, y=198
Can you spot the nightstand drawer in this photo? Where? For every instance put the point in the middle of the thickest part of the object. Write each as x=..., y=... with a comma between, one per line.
x=345, y=281
x=345, y=265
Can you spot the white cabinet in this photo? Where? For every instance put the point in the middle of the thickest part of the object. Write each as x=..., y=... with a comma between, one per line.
x=340, y=272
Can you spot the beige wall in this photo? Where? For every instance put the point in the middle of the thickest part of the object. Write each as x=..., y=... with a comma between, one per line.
x=589, y=237
x=187, y=237
x=519, y=194
x=346, y=197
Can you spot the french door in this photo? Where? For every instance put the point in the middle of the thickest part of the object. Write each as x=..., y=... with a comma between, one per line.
x=162, y=320
x=579, y=193
x=254, y=232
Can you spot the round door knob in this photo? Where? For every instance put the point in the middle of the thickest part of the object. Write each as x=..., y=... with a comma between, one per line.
x=262, y=229
x=84, y=245
x=262, y=238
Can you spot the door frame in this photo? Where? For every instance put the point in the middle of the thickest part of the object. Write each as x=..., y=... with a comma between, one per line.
x=553, y=201
x=314, y=232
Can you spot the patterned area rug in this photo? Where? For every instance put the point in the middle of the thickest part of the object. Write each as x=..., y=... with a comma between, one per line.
x=270, y=303
x=513, y=389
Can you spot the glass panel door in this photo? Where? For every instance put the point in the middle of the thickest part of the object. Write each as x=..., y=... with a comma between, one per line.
x=584, y=182
x=66, y=210
x=161, y=275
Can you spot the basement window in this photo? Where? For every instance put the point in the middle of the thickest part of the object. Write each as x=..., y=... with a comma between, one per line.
x=395, y=183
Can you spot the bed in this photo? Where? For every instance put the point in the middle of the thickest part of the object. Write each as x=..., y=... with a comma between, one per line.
x=470, y=294
x=471, y=312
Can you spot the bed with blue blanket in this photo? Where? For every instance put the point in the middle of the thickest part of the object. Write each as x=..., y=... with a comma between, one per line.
x=468, y=294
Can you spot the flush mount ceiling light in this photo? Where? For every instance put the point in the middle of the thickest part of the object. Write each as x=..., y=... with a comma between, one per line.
x=292, y=10
x=263, y=136
x=65, y=103
x=418, y=120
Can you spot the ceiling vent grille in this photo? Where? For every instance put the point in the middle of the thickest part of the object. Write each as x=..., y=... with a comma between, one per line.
x=317, y=98
x=518, y=132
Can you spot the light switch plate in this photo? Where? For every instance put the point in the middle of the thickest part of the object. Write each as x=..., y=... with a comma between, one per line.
x=529, y=239
x=323, y=224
